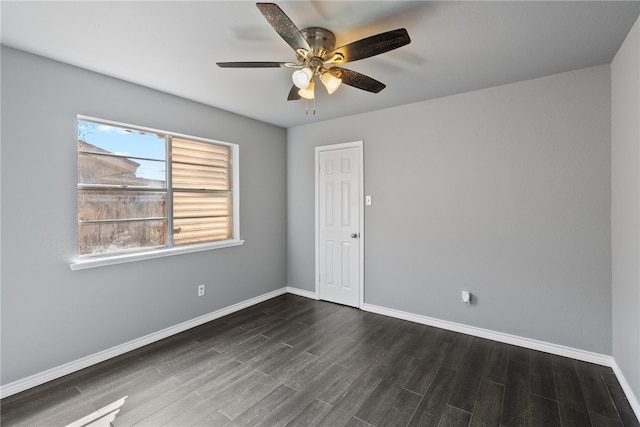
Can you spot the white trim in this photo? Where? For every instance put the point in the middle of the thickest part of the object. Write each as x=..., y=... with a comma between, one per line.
x=303, y=293
x=68, y=368
x=152, y=130
x=560, y=350
x=235, y=192
x=360, y=146
x=85, y=362
x=82, y=264
x=632, y=398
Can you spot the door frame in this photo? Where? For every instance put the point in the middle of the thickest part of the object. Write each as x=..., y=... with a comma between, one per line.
x=360, y=146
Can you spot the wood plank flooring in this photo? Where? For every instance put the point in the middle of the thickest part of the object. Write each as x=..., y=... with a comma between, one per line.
x=291, y=361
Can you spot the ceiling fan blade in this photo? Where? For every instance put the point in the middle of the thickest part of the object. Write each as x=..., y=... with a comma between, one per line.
x=293, y=94
x=371, y=46
x=256, y=64
x=284, y=26
x=357, y=80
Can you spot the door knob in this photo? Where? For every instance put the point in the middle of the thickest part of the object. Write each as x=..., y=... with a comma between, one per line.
x=355, y=235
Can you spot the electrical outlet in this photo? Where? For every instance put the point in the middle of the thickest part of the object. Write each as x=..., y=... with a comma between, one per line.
x=466, y=297
x=201, y=290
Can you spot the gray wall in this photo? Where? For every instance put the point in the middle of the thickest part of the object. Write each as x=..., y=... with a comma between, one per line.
x=52, y=315
x=625, y=206
x=503, y=191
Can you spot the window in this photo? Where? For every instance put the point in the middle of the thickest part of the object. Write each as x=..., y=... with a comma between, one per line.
x=146, y=190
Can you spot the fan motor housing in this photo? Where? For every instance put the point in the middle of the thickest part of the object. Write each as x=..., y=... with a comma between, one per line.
x=320, y=40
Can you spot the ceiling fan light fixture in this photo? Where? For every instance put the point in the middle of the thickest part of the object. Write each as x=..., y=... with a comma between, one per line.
x=331, y=82
x=302, y=78
x=308, y=92
x=315, y=49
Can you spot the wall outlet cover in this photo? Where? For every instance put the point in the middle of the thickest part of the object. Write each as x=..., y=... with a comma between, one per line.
x=466, y=297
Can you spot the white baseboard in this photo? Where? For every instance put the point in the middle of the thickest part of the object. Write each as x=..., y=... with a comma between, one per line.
x=631, y=397
x=560, y=350
x=68, y=368
x=574, y=353
x=303, y=293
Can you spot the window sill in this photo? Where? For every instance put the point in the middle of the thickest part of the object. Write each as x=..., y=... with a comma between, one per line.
x=82, y=264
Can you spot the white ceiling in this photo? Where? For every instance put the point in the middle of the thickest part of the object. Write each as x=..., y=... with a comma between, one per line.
x=456, y=47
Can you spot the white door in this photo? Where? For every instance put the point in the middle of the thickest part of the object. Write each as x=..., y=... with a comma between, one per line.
x=339, y=219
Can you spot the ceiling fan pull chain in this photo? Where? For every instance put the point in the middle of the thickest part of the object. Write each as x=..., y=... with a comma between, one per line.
x=306, y=107
x=314, y=106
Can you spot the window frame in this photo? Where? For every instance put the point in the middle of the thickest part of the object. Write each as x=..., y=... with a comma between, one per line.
x=143, y=254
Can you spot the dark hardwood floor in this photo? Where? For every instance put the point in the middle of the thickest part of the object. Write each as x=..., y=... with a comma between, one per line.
x=291, y=361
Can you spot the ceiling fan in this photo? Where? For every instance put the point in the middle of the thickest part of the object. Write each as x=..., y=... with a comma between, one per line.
x=318, y=57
